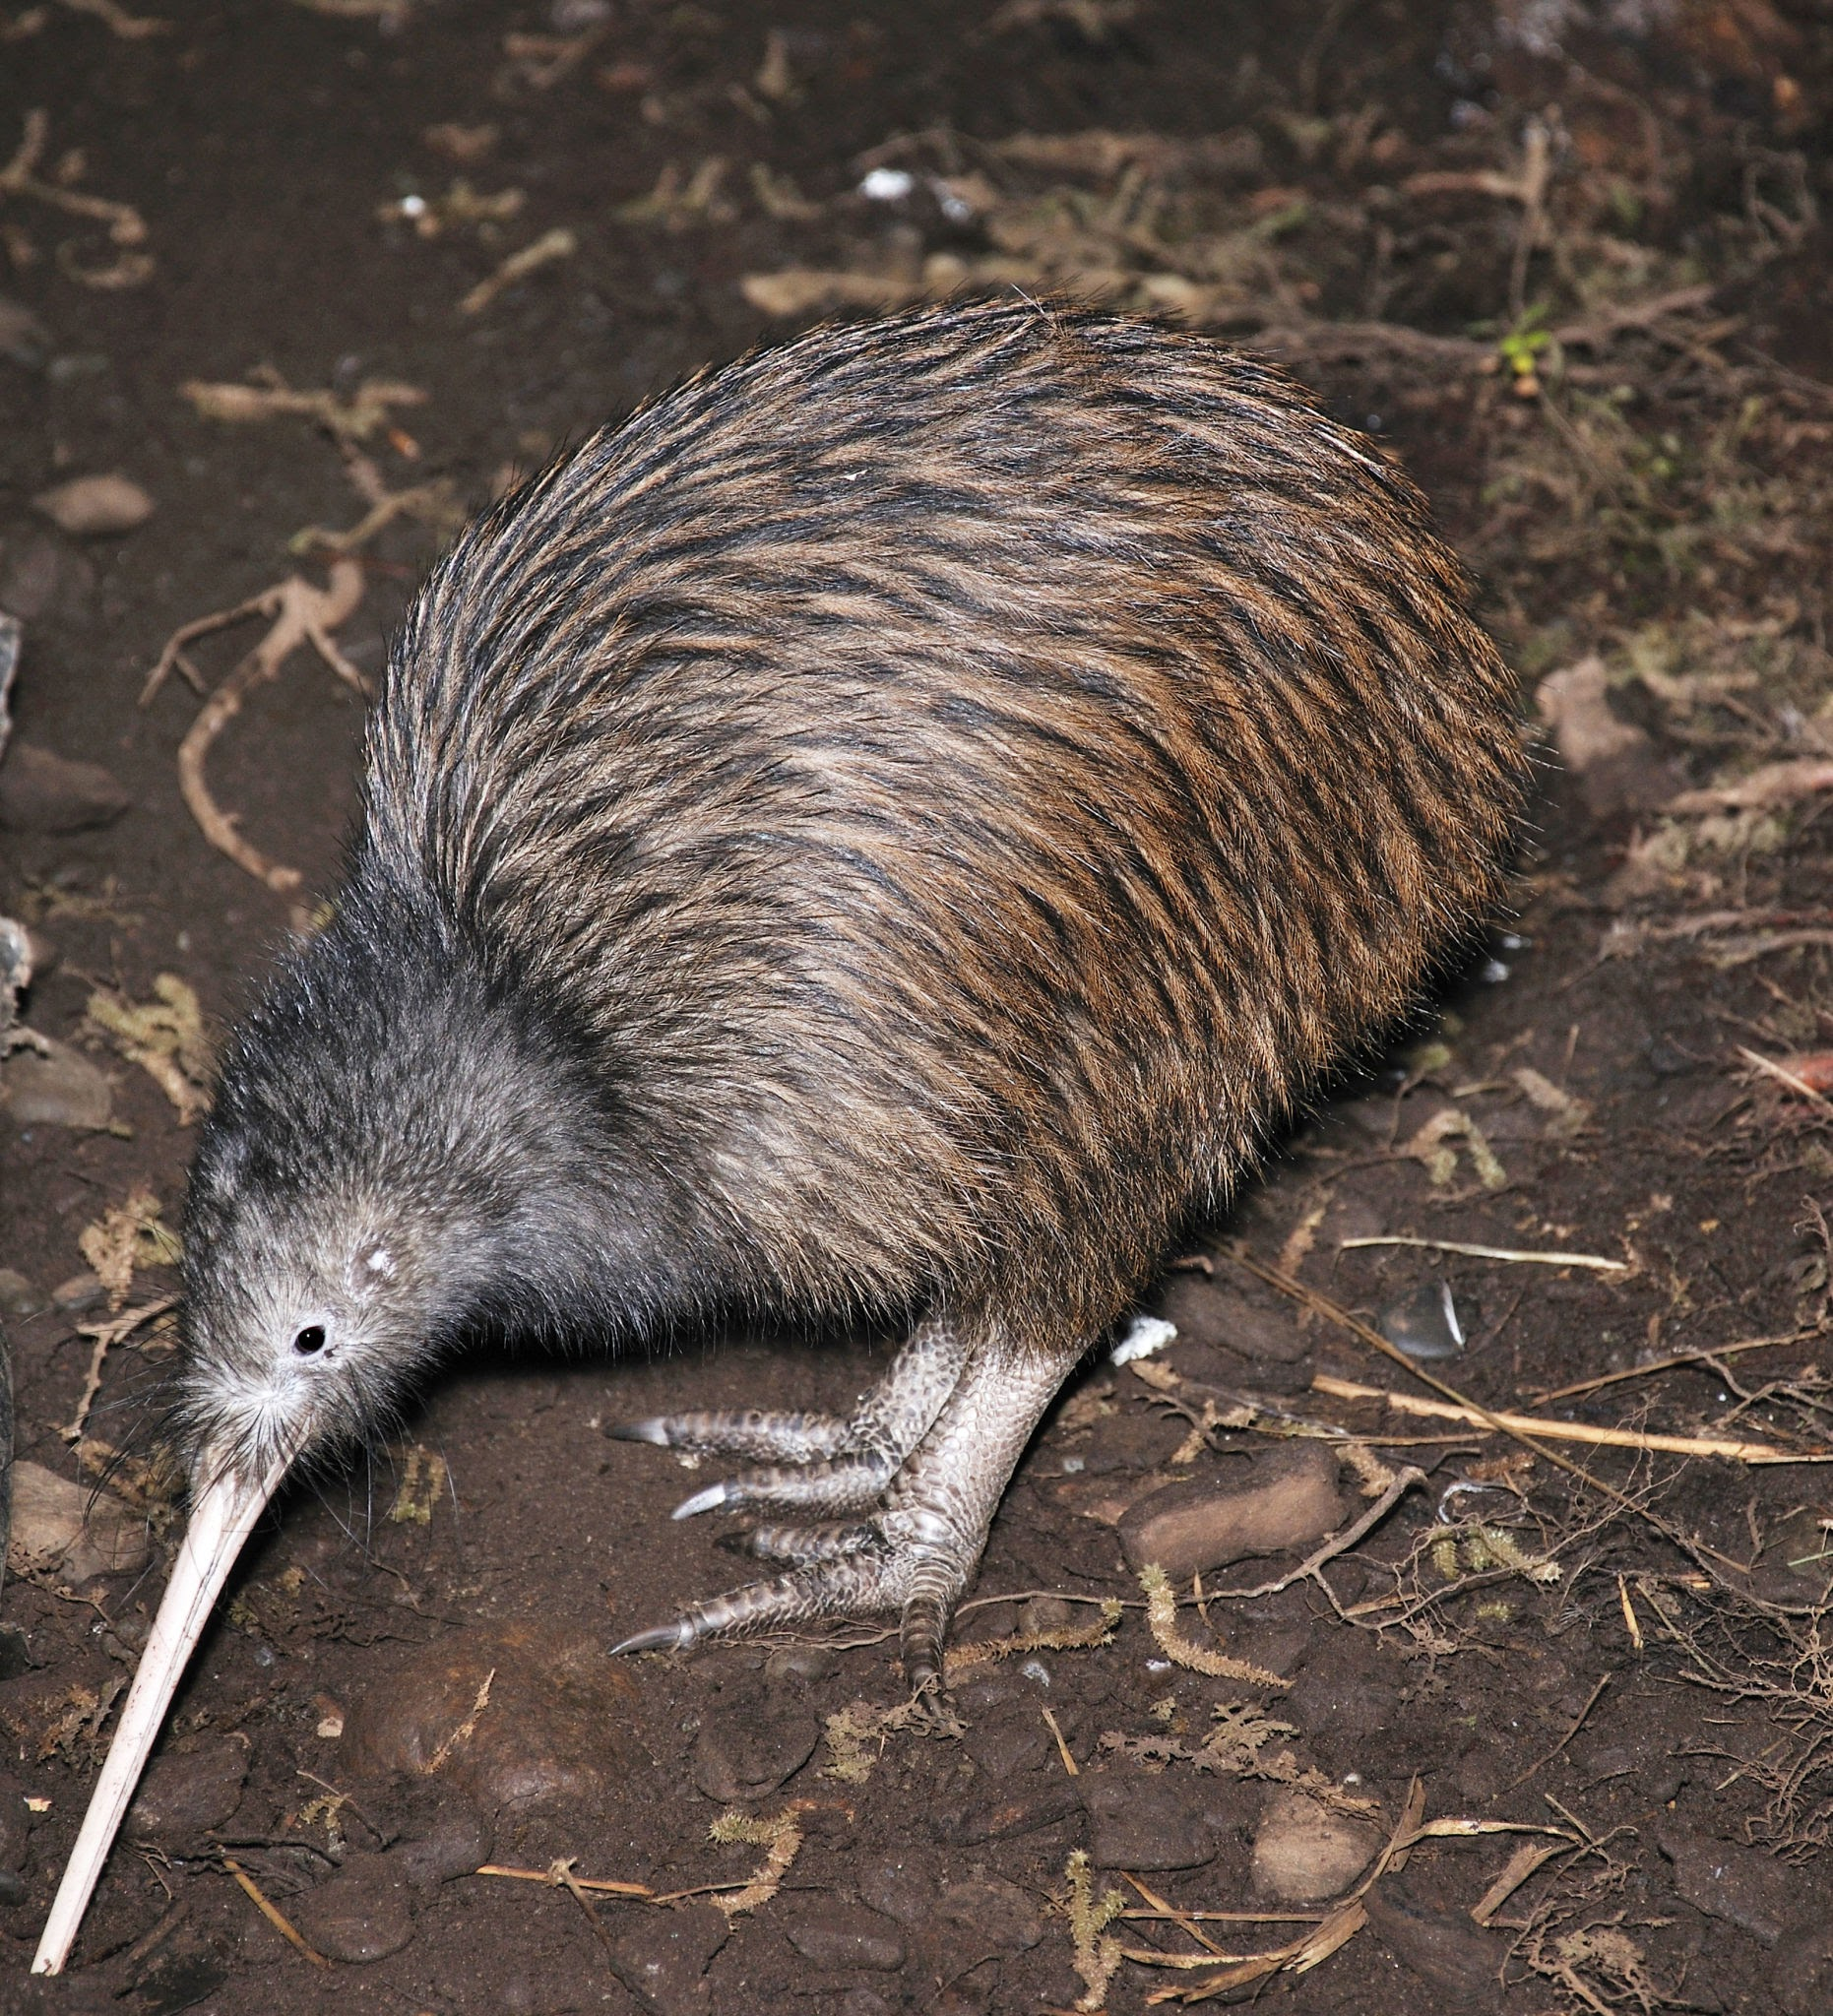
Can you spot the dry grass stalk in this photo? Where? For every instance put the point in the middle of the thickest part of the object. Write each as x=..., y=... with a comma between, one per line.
x=559, y=243
x=1509, y=1253
x=274, y=1917
x=103, y=1337
x=607, y=1885
x=347, y=417
x=1568, y=1431
x=297, y=613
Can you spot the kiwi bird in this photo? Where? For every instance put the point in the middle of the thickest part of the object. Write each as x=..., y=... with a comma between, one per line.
x=882, y=833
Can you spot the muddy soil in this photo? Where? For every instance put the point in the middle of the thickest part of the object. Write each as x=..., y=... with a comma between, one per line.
x=1567, y=263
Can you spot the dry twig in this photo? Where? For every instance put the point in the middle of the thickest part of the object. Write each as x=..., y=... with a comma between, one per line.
x=296, y=614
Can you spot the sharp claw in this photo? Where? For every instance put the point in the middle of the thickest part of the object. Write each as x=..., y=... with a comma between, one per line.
x=675, y=1637
x=654, y=1429
x=709, y=1500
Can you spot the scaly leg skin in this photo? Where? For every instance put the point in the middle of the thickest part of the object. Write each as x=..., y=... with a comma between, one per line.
x=819, y=1463
x=916, y=1551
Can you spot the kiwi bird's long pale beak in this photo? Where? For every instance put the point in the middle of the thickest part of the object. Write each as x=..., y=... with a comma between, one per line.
x=222, y=1517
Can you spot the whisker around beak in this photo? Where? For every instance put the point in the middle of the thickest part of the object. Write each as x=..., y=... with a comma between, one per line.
x=221, y=1519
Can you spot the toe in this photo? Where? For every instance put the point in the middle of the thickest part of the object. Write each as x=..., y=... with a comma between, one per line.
x=853, y=1484
x=754, y=1434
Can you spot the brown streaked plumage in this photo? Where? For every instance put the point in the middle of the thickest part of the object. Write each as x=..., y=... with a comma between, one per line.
x=885, y=831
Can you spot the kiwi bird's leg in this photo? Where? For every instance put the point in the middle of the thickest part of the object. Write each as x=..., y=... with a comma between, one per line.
x=223, y=1512
x=916, y=1551
x=820, y=1464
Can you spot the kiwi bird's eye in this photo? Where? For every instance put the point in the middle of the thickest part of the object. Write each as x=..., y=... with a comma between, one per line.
x=309, y=1340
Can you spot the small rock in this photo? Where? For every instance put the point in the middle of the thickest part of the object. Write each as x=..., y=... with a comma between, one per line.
x=446, y=1837
x=15, y=1823
x=836, y=1934
x=24, y=338
x=94, y=507
x=362, y=1914
x=81, y=1292
x=1040, y=1615
x=1801, y=1975
x=747, y=1753
x=661, y=1958
x=58, y=1087
x=548, y=1727
x=1742, y=1886
x=1425, y=1322
x=804, y=1665
x=1276, y=1499
x=998, y=1915
x=1305, y=1853
x=1010, y=1744
x=41, y=577
x=71, y=1531
x=1207, y=1314
x=1444, y=1948
x=900, y=1891
x=43, y=792
x=187, y=1794
x=1616, y=761
x=968, y=1824
x=18, y=1296
x=863, y=2002
x=1140, y=1822
x=15, y=1653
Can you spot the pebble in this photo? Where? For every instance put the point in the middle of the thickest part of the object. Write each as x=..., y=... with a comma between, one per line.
x=442, y=1836
x=362, y=1914
x=833, y=1933
x=1742, y=1886
x=1014, y=1744
x=863, y=2002
x=18, y=1295
x=1208, y=1314
x=1425, y=1322
x=1618, y=764
x=39, y=576
x=748, y=1752
x=15, y=1824
x=549, y=1728
x=1142, y=1822
x=81, y=1291
x=94, y=507
x=804, y=1665
x=969, y=1824
x=899, y=1890
x=1305, y=1853
x=58, y=1089
x=663, y=1956
x=41, y=792
x=186, y=1794
x=24, y=338
x=1801, y=1974
x=1273, y=1500
x=71, y=1529
x=1000, y=1915
x=1444, y=1948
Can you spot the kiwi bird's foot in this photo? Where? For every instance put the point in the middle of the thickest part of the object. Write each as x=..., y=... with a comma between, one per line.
x=926, y=1456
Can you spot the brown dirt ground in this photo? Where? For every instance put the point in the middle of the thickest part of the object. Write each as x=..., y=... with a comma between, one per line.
x=1652, y=490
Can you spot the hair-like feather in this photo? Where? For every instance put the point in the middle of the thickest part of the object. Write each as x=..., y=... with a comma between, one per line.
x=890, y=825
